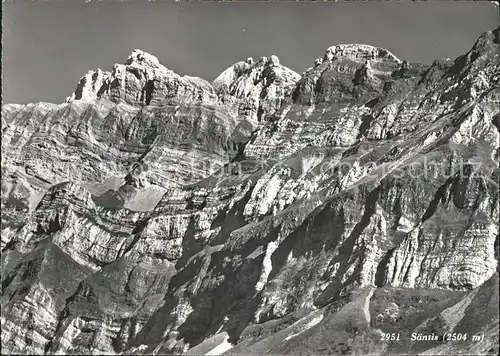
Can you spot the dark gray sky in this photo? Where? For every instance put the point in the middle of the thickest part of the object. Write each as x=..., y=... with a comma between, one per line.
x=48, y=46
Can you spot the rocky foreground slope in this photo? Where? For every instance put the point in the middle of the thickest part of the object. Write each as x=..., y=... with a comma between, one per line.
x=265, y=212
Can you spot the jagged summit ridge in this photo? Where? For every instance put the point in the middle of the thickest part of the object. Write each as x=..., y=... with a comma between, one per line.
x=256, y=88
x=142, y=80
x=235, y=71
x=252, y=89
x=357, y=51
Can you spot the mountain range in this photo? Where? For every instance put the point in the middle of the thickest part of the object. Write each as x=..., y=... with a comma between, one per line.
x=350, y=209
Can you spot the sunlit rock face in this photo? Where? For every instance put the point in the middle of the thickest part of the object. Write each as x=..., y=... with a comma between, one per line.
x=256, y=90
x=265, y=212
x=142, y=80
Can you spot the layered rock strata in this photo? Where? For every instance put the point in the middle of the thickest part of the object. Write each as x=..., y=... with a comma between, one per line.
x=265, y=212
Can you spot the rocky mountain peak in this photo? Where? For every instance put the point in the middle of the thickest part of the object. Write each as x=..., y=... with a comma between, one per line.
x=144, y=58
x=89, y=86
x=256, y=88
x=359, y=52
x=254, y=69
x=272, y=60
x=347, y=73
x=142, y=80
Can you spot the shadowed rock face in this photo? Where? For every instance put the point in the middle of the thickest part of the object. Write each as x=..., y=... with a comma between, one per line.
x=265, y=212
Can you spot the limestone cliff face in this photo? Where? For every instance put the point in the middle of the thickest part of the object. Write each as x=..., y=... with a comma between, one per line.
x=261, y=213
x=256, y=90
x=142, y=80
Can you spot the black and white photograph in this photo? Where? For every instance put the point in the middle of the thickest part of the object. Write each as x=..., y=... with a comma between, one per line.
x=245, y=177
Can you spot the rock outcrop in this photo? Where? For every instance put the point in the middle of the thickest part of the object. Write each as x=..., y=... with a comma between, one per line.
x=261, y=213
x=256, y=90
x=142, y=80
